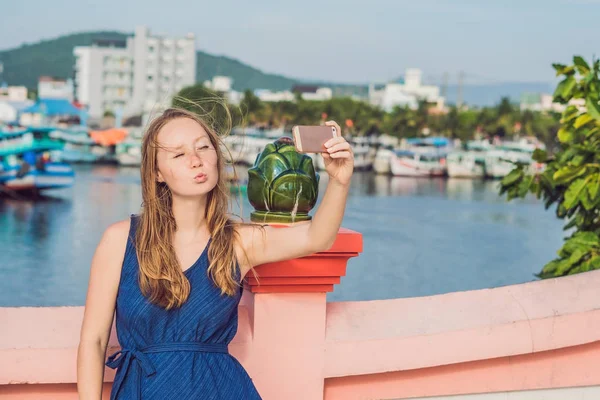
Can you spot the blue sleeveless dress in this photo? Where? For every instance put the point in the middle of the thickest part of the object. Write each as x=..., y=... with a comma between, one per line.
x=181, y=353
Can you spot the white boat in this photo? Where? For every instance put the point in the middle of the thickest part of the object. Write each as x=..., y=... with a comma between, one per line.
x=129, y=152
x=383, y=156
x=244, y=148
x=499, y=163
x=80, y=147
x=415, y=163
x=364, y=153
x=466, y=164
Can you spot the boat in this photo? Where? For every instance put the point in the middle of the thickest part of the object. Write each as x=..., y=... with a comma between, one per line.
x=80, y=147
x=28, y=162
x=500, y=162
x=129, y=152
x=383, y=156
x=465, y=164
x=364, y=153
x=417, y=163
x=245, y=145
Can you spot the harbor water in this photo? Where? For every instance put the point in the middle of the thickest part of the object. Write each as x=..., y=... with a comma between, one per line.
x=421, y=236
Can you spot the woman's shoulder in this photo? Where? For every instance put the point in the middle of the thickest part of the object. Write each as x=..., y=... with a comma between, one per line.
x=115, y=235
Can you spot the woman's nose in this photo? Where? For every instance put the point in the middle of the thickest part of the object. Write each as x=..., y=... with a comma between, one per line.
x=195, y=161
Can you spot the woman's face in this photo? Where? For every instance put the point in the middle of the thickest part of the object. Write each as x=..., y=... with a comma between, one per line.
x=186, y=158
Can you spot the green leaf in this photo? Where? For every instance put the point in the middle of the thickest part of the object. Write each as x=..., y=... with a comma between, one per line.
x=580, y=219
x=581, y=65
x=540, y=155
x=577, y=256
x=550, y=269
x=582, y=120
x=567, y=70
x=588, y=265
x=563, y=266
x=594, y=185
x=512, y=177
x=593, y=108
x=572, y=223
x=585, y=238
x=577, y=160
x=594, y=263
x=564, y=136
x=573, y=244
x=524, y=186
x=559, y=68
x=592, y=131
x=565, y=87
x=586, y=201
x=574, y=193
x=570, y=113
x=568, y=173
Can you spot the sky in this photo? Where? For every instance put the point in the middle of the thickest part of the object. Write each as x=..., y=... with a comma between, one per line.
x=351, y=41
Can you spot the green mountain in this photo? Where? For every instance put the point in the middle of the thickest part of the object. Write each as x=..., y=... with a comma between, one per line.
x=244, y=76
x=54, y=57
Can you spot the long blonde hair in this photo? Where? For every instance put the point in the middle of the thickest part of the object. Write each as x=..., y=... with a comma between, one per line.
x=161, y=278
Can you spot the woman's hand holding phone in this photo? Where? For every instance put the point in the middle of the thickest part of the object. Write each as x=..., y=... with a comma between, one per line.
x=327, y=140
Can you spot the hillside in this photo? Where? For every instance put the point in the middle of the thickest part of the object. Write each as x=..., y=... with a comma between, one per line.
x=23, y=65
x=54, y=57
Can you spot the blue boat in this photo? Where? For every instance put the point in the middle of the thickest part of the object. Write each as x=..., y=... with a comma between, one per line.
x=28, y=162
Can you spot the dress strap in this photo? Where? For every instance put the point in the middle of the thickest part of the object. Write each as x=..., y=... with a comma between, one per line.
x=133, y=223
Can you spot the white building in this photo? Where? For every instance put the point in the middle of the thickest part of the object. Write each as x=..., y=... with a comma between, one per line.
x=269, y=96
x=103, y=76
x=545, y=102
x=405, y=94
x=314, y=93
x=134, y=76
x=310, y=93
x=218, y=83
x=162, y=67
x=13, y=93
x=234, y=97
x=55, y=88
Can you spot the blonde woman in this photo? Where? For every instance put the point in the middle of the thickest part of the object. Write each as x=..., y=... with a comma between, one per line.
x=173, y=273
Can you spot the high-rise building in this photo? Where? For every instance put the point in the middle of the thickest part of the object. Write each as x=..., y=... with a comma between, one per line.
x=133, y=77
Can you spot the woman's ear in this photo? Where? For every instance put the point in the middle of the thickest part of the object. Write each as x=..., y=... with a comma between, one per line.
x=159, y=177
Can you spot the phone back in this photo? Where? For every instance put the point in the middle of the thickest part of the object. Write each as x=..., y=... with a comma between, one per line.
x=311, y=139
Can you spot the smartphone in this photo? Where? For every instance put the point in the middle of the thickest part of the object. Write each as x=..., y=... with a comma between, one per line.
x=311, y=139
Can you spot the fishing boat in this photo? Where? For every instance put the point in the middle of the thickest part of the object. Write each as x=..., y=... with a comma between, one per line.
x=383, y=156
x=417, y=163
x=499, y=162
x=29, y=162
x=129, y=152
x=80, y=147
x=466, y=164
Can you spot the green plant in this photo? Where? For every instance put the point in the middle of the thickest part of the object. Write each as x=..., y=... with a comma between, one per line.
x=571, y=179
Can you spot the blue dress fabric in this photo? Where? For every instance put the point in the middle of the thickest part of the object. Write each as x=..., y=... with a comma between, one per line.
x=180, y=353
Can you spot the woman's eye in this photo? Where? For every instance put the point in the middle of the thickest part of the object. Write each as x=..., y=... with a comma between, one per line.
x=178, y=155
x=203, y=147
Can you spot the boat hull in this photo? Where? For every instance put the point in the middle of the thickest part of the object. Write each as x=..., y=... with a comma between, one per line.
x=53, y=176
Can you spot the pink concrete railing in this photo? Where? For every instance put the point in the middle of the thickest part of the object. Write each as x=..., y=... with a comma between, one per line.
x=541, y=335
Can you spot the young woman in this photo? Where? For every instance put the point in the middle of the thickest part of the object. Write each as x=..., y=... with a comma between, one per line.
x=173, y=273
